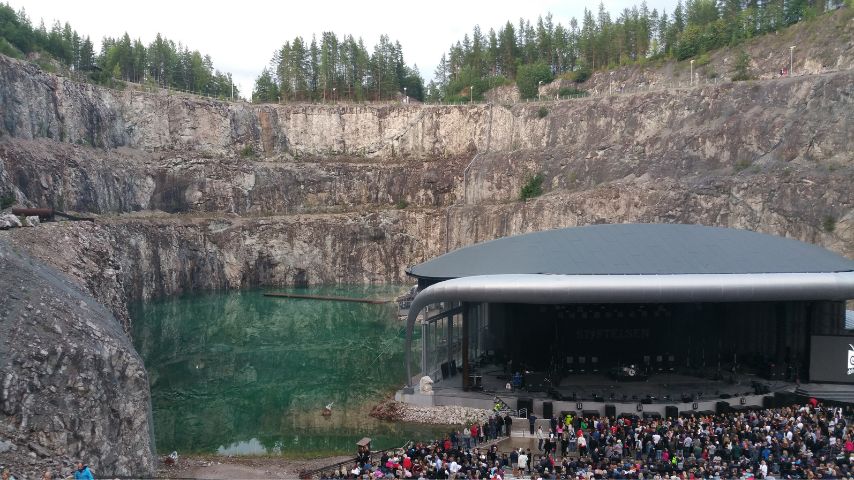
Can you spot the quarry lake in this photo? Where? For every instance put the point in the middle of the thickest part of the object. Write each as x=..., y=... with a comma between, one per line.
x=240, y=373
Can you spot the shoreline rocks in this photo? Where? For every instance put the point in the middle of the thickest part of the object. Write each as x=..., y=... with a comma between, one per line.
x=443, y=415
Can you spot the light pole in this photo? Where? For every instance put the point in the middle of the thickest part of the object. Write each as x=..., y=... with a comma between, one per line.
x=333, y=94
x=610, y=79
x=692, y=73
x=405, y=98
x=471, y=93
x=791, y=59
x=539, y=95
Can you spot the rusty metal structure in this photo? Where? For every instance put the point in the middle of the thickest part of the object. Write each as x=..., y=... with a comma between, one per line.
x=48, y=214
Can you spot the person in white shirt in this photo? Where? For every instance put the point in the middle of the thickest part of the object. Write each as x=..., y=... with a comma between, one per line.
x=454, y=468
x=523, y=461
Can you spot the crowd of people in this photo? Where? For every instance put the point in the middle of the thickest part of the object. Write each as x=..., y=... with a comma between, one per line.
x=808, y=441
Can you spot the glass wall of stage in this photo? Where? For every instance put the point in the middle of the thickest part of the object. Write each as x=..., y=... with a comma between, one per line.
x=709, y=340
x=443, y=338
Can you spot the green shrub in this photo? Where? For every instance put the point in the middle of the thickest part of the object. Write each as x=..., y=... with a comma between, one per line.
x=702, y=60
x=828, y=224
x=401, y=204
x=528, y=78
x=248, y=151
x=742, y=67
x=582, y=74
x=570, y=91
x=542, y=112
x=533, y=187
x=7, y=201
x=9, y=50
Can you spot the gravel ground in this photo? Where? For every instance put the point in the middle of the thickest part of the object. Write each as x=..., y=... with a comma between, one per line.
x=248, y=467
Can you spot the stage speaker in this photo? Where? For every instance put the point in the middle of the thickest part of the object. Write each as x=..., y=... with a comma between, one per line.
x=446, y=370
x=722, y=407
x=671, y=411
x=548, y=409
x=768, y=402
x=525, y=403
x=611, y=411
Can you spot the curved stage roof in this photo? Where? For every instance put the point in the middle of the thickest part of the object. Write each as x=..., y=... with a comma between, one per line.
x=633, y=263
x=635, y=249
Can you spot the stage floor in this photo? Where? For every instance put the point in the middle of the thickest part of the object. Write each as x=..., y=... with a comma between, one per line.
x=663, y=387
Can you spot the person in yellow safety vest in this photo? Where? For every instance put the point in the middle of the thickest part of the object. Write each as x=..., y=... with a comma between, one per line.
x=568, y=420
x=497, y=406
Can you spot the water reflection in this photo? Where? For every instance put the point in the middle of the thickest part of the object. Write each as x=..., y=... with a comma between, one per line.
x=242, y=372
x=252, y=447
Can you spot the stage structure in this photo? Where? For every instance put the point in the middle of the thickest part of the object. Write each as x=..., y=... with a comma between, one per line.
x=630, y=301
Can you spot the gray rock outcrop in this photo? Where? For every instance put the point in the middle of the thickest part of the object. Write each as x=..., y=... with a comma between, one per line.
x=72, y=387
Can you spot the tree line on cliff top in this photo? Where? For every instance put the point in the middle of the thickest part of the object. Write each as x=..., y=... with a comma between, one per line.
x=162, y=62
x=337, y=69
x=530, y=53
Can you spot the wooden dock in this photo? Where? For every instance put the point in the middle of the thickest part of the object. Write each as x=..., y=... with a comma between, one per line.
x=372, y=301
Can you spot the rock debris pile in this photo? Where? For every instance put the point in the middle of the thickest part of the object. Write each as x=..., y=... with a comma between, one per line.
x=443, y=415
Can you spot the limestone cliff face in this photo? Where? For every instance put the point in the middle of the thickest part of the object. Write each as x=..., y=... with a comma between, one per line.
x=774, y=156
x=72, y=385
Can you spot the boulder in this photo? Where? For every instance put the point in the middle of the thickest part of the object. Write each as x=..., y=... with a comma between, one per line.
x=7, y=221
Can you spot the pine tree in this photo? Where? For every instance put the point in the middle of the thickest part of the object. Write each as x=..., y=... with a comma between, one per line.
x=265, y=89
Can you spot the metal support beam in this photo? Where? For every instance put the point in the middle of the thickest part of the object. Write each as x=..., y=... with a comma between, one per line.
x=466, y=324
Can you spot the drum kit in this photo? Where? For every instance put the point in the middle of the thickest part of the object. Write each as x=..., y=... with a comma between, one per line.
x=629, y=372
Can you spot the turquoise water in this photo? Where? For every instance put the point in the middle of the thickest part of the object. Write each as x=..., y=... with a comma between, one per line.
x=240, y=373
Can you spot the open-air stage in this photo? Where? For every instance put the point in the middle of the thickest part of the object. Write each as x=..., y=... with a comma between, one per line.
x=593, y=392
x=631, y=319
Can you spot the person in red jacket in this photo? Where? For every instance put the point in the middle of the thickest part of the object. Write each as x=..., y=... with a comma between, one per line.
x=474, y=433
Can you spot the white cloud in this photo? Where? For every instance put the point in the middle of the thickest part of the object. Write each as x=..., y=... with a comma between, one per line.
x=242, y=40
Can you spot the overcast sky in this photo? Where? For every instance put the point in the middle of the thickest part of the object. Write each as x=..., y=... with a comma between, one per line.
x=242, y=41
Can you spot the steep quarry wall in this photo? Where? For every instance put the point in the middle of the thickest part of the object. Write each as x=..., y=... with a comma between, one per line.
x=191, y=194
x=72, y=386
x=773, y=156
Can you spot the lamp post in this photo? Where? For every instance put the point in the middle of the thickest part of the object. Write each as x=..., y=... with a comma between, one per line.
x=333, y=94
x=610, y=79
x=539, y=85
x=692, y=73
x=791, y=59
x=471, y=93
x=405, y=98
